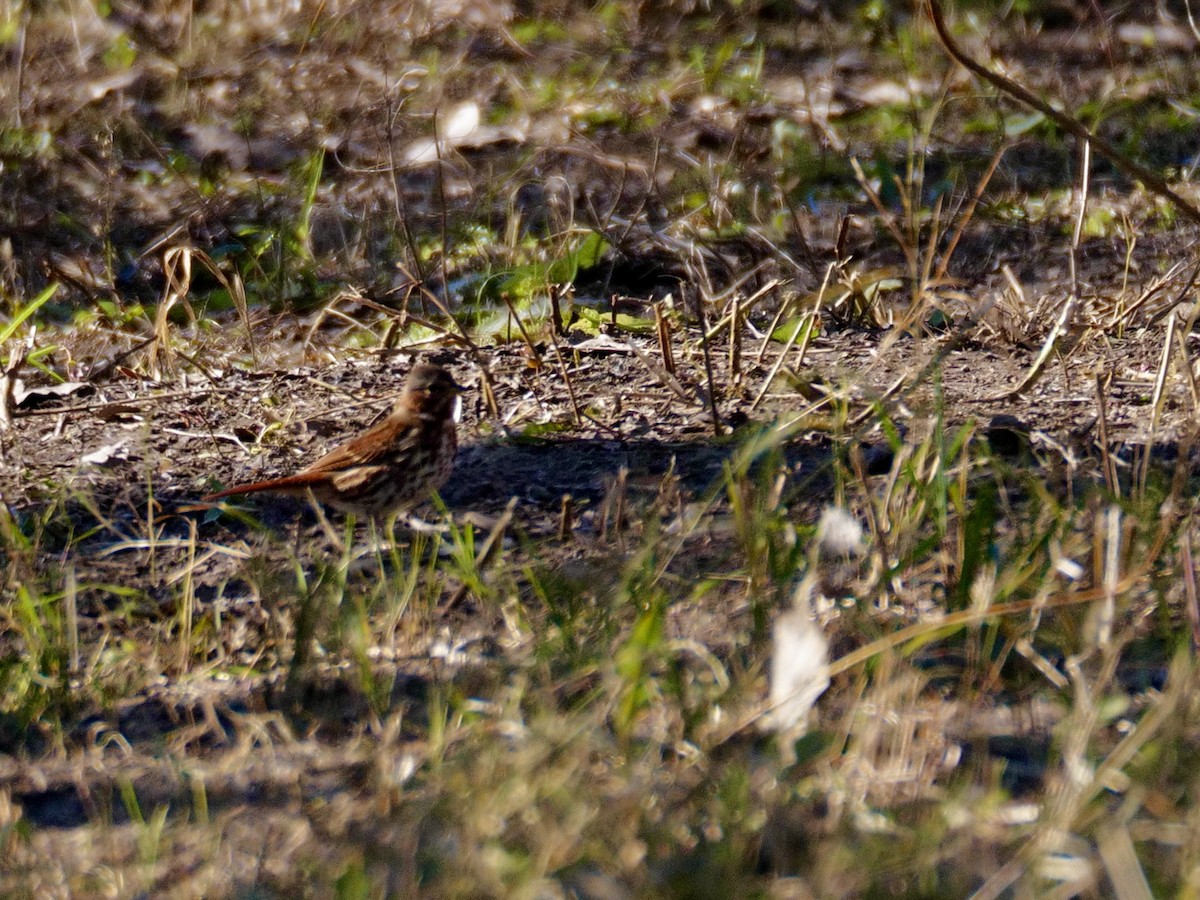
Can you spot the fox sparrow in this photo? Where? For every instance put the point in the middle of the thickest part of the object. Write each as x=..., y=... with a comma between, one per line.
x=390, y=467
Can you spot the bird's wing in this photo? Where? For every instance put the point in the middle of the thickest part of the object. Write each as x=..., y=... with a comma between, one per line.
x=347, y=466
x=387, y=438
x=351, y=479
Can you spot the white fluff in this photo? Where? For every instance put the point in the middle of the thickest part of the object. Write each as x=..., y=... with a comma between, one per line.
x=799, y=671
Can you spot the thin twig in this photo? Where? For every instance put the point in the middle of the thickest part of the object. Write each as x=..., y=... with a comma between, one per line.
x=1062, y=325
x=1185, y=367
x=662, y=327
x=1152, y=179
x=969, y=213
x=566, y=376
x=791, y=342
x=665, y=377
x=1107, y=464
x=512, y=311
x=1156, y=403
x=708, y=369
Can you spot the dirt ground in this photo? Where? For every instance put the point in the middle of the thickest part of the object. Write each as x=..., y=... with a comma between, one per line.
x=170, y=444
x=589, y=438
x=176, y=443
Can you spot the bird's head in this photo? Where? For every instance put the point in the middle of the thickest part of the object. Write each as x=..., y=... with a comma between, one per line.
x=431, y=391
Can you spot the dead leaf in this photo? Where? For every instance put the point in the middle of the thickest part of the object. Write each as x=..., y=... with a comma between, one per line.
x=459, y=121
x=120, y=412
x=31, y=398
x=107, y=455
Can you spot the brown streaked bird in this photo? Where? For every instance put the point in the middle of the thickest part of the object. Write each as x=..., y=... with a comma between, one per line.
x=392, y=466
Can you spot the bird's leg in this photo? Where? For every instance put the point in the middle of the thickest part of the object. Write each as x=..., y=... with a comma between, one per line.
x=376, y=545
x=323, y=521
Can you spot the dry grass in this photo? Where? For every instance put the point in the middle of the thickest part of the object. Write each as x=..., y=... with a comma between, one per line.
x=705, y=283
